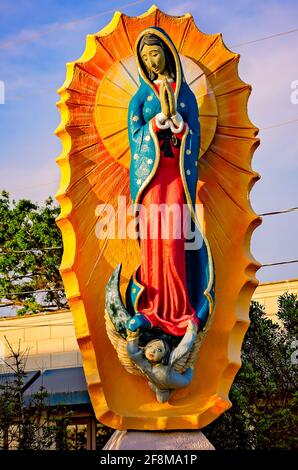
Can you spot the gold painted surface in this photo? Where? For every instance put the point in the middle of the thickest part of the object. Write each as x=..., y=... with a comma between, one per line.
x=94, y=171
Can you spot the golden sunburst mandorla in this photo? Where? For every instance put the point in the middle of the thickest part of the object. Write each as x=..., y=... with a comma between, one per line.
x=94, y=167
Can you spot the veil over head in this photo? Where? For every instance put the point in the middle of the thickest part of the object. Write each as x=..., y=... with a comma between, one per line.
x=151, y=39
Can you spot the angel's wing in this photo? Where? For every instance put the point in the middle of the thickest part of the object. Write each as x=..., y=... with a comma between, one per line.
x=184, y=347
x=120, y=344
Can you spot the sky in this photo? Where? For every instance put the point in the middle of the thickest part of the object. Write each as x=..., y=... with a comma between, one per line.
x=37, y=39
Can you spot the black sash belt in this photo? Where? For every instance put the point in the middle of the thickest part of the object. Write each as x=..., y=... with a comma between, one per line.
x=168, y=139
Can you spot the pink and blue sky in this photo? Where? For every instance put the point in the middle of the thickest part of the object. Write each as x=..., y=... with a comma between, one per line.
x=37, y=38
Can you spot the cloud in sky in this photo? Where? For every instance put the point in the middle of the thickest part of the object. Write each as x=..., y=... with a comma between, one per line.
x=28, y=35
x=17, y=42
x=33, y=69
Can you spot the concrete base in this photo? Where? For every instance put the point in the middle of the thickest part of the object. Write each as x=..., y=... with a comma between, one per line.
x=155, y=440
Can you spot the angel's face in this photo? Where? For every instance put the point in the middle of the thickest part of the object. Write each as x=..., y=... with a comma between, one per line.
x=155, y=351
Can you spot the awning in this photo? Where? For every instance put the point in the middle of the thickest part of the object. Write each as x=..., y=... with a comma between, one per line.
x=64, y=386
x=28, y=379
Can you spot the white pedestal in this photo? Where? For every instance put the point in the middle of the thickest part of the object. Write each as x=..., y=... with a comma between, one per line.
x=155, y=440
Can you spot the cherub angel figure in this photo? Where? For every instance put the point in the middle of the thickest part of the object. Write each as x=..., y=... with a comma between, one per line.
x=157, y=362
x=167, y=364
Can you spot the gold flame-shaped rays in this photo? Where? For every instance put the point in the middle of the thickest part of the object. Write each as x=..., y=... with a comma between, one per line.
x=94, y=167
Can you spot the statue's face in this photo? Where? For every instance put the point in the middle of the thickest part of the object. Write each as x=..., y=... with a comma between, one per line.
x=155, y=352
x=154, y=59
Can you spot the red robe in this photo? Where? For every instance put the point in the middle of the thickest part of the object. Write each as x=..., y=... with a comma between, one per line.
x=165, y=300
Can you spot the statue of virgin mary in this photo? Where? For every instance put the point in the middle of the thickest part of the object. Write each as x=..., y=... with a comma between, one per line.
x=159, y=150
x=173, y=285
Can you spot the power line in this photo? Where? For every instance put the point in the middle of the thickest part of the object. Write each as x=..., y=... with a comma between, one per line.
x=281, y=124
x=65, y=25
x=61, y=289
x=283, y=33
x=58, y=26
x=32, y=250
x=31, y=291
x=282, y=211
x=285, y=211
x=70, y=323
x=280, y=263
x=30, y=326
x=273, y=126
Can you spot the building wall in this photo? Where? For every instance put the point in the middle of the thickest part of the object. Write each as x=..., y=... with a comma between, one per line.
x=268, y=293
x=51, y=344
x=50, y=338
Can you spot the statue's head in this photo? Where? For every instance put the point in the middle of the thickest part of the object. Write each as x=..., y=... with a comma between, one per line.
x=156, y=57
x=157, y=351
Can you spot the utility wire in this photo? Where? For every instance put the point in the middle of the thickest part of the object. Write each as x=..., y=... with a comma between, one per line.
x=54, y=27
x=57, y=26
x=31, y=291
x=285, y=211
x=278, y=264
x=31, y=251
x=283, y=33
x=281, y=124
x=32, y=326
x=273, y=126
x=61, y=290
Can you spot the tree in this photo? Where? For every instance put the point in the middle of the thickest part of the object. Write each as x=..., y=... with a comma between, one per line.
x=103, y=434
x=27, y=423
x=264, y=394
x=30, y=256
x=288, y=313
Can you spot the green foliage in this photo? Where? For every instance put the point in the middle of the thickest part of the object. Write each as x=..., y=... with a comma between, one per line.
x=103, y=434
x=26, y=227
x=28, y=423
x=264, y=394
x=288, y=312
